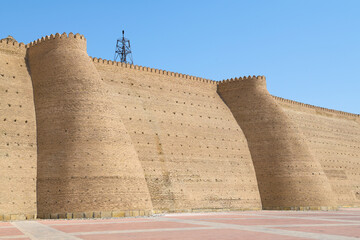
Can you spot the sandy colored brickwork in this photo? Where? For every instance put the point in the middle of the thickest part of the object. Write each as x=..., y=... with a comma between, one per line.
x=288, y=173
x=334, y=139
x=17, y=134
x=113, y=139
x=86, y=161
x=194, y=154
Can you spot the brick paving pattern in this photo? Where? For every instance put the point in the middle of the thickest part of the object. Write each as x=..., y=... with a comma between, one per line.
x=280, y=225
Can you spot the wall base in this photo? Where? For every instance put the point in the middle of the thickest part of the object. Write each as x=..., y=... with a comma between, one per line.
x=307, y=208
x=17, y=217
x=97, y=214
x=139, y=213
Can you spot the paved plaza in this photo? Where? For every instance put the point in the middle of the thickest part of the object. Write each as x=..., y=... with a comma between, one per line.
x=280, y=225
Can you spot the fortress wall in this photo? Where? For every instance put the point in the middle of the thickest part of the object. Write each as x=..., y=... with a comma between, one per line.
x=87, y=164
x=116, y=140
x=194, y=154
x=334, y=139
x=289, y=176
x=17, y=135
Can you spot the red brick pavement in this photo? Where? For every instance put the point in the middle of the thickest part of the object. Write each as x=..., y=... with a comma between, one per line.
x=252, y=225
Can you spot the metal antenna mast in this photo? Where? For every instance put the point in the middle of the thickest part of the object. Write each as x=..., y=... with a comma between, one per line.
x=123, y=50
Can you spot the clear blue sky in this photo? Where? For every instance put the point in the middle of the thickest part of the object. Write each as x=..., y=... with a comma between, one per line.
x=309, y=50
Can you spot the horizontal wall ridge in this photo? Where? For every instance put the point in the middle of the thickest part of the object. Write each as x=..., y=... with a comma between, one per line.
x=316, y=107
x=153, y=70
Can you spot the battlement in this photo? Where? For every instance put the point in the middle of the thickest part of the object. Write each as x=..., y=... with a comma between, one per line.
x=241, y=79
x=7, y=42
x=152, y=70
x=64, y=41
x=234, y=83
x=341, y=113
x=10, y=45
x=56, y=36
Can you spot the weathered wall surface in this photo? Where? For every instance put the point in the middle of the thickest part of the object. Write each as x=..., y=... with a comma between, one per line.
x=334, y=139
x=17, y=134
x=116, y=139
x=194, y=154
x=86, y=160
x=288, y=174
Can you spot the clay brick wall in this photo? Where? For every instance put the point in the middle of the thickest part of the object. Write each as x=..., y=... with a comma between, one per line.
x=113, y=139
x=17, y=134
x=194, y=154
x=288, y=175
x=86, y=159
x=334, y=139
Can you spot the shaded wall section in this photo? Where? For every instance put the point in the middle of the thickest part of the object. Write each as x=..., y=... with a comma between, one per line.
x=334, y=139
x=288, y=174
x=194, y=154
x=86, y=161
x=17, y=134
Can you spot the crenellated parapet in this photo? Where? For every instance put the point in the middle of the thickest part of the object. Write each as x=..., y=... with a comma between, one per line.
x=54, y=37
x=153, y=70
x=231, y=80
x=229, y=83
x=234, y=83
x=10, y=45
x=340, y=113
x=70, y=41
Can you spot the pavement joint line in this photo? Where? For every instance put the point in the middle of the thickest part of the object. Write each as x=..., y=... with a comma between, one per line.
x=285, y=225
x=6, y=227
x=38, y=231
x=204, y=219
x=14, y=236
x=319, y=236
x=270, y=213
x=142, y=230
x=312, y=213
x=91, y=223
x=302, y=218
x=303, y=234
x=307, y=225
x=263, y=212
x=311, y=218
x=340, y=221
x=334, y=220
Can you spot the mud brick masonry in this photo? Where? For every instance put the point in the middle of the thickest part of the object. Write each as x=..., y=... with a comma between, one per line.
x=86, y=137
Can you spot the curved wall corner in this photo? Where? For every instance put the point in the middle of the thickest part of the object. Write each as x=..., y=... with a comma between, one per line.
x=86, y=161
x=288, y=175
x=17, y=135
